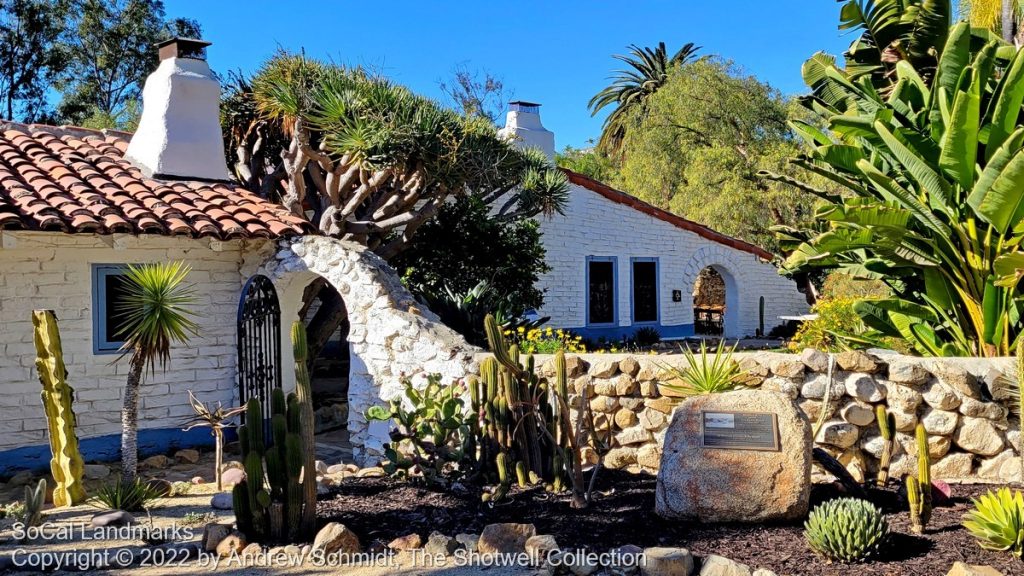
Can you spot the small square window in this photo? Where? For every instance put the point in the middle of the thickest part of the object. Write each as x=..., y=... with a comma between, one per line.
x=108, y=290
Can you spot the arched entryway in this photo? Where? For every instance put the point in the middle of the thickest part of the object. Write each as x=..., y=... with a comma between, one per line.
x=710, y=275
x=390, y=335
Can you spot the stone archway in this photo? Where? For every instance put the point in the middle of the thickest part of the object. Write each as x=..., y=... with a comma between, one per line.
x=391, y=335
x=727, y=265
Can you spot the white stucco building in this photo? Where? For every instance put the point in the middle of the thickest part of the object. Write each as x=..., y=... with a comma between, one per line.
x=619, y=263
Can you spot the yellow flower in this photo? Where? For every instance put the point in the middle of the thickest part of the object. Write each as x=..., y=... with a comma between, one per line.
x=521, y=330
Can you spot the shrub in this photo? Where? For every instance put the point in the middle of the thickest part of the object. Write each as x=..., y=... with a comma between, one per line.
x=180, y=489
x=704, y=375
x=836, y=320
x=431, y=433
x=545, y=340
x=997, y=521
x=846, y=530
x=646, y=336
x=197, y=518
x=13, y=510
x=130, y=496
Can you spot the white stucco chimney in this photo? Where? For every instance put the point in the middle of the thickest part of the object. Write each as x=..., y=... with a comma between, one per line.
x=179, y=134
x=523, y=124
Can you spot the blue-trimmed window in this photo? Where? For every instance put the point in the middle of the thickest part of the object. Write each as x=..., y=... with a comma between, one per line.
x=644, y=297
x=602, y=300
x=108, y=287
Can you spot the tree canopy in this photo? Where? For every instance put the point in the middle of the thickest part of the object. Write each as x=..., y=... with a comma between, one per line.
x=30, y=57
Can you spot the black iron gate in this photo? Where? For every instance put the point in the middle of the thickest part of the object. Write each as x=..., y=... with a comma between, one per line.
x=259, y=342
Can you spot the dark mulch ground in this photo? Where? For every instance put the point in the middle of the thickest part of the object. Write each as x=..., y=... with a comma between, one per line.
x=381, y=508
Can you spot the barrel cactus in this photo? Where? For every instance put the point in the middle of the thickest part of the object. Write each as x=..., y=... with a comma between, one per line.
x=846, y=530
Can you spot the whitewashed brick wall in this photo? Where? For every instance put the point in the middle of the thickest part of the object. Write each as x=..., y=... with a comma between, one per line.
x=595, y=226
x=53, y=271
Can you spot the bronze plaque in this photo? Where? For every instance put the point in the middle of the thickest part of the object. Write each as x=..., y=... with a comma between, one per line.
x=740, y=430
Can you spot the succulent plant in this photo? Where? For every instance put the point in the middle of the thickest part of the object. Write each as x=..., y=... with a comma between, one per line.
x=919, y=488
x=997, y=521
x=846, y=530
x=887, y=429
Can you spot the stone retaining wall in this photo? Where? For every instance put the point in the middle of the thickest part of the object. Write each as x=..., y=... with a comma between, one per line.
x=961, y=401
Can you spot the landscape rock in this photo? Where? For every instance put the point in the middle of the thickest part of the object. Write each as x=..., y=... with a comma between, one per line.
x=863, y=387
x=979, y=409
x=721, y=566
x=604, y=368
x=196, y=480
x=438, y=544
x=158, y=462
x=957, y=378
x=814, y=388
x=505, y=538
x=160, y=486
x=649, y=456
x=232, y=476
x=662, y=561
x=904, y=422
x=252, y=550
x=904, y=372
x=407, y=542
x=764, y=572
x=787, y=367
x=717, y=485
x=953, y=466
x=815, y=360
x=856, y=361
x=625, y=418
x=634, y=435
x=902, y=397
x=233, y=543
x=652, y=419
x=222, y=501
x=784, y=385
x=187, y=456
x=939, y=422
x=96, y=471
x=839, y=434
x=335, y=537
x=213, y=534
x=979, y=436
x=618, y=458
x=112, y=518
x=858, y=414
x=938, y=446
x=468, y=541
x=962, y=569
x=940, y=396
x=629, y=366
x=540, y=546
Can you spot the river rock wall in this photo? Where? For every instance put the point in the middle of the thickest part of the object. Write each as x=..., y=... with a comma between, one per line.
x=963, y=403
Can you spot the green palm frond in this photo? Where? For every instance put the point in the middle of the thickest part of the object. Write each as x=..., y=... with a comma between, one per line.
x=155, y=311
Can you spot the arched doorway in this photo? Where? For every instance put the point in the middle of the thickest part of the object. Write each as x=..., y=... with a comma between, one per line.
x=709, y=303
x=390, y=335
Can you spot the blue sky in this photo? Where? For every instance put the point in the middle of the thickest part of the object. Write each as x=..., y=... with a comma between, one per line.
x=555, y=53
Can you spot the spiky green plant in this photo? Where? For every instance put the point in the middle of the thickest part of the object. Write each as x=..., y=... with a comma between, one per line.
x=997, y=521
x=155, y=311
x=35, y=498
x=217, y=419
x=704, y=375
x=128, y=495
x=846, y=530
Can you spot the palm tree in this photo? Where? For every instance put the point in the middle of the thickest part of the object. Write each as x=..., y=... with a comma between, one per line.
x=1000, y=16
x=630, y=89
x=155, y=314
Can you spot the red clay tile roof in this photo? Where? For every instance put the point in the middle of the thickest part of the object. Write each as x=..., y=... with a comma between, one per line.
x=677, y=221
x=77, y=180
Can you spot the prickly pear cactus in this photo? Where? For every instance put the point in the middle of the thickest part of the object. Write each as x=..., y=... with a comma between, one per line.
x=66, y=465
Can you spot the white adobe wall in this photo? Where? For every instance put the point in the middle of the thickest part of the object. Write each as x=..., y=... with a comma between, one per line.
x=53, y=271
x=596, y=226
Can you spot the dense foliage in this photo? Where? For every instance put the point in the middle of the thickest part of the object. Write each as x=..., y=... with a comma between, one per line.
x=997, y=521
x=846, y=530
x=933, y=178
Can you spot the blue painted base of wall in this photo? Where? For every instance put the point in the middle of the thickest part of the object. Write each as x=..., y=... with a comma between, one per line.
x=108, y=448
x=617, y=333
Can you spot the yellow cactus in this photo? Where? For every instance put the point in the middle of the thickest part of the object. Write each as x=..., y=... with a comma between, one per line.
x=66, y=465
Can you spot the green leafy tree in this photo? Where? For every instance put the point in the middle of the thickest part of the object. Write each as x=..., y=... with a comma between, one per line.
x=29, y=55
x=1000, y=16
x=590, y=162
x=476, y=93
x=932, y=177
x=700, y=145
x=109, y=50
x=630, y=88
x=156, y=312
x=464, y=246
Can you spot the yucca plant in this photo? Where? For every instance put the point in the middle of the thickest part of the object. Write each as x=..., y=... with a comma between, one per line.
x=704, y=374
x=155, y=311
x=997, y=521
x=128, y=495
x=846, y=530
x=217, y=419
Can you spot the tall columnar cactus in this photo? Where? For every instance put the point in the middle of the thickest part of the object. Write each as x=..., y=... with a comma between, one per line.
x=887, y=428
x=66, y=464
x=523, y=418
x=919, y=488
x=277, y=499
x=307, y=422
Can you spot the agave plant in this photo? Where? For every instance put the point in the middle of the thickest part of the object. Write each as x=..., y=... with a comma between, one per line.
x=932, y=201
x=846, y=530
x=216, y=418
x=997, y=521
x=703, y=374
x=155, y=311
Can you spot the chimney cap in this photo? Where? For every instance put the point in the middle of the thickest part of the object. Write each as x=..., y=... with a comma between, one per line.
x=180, y=47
